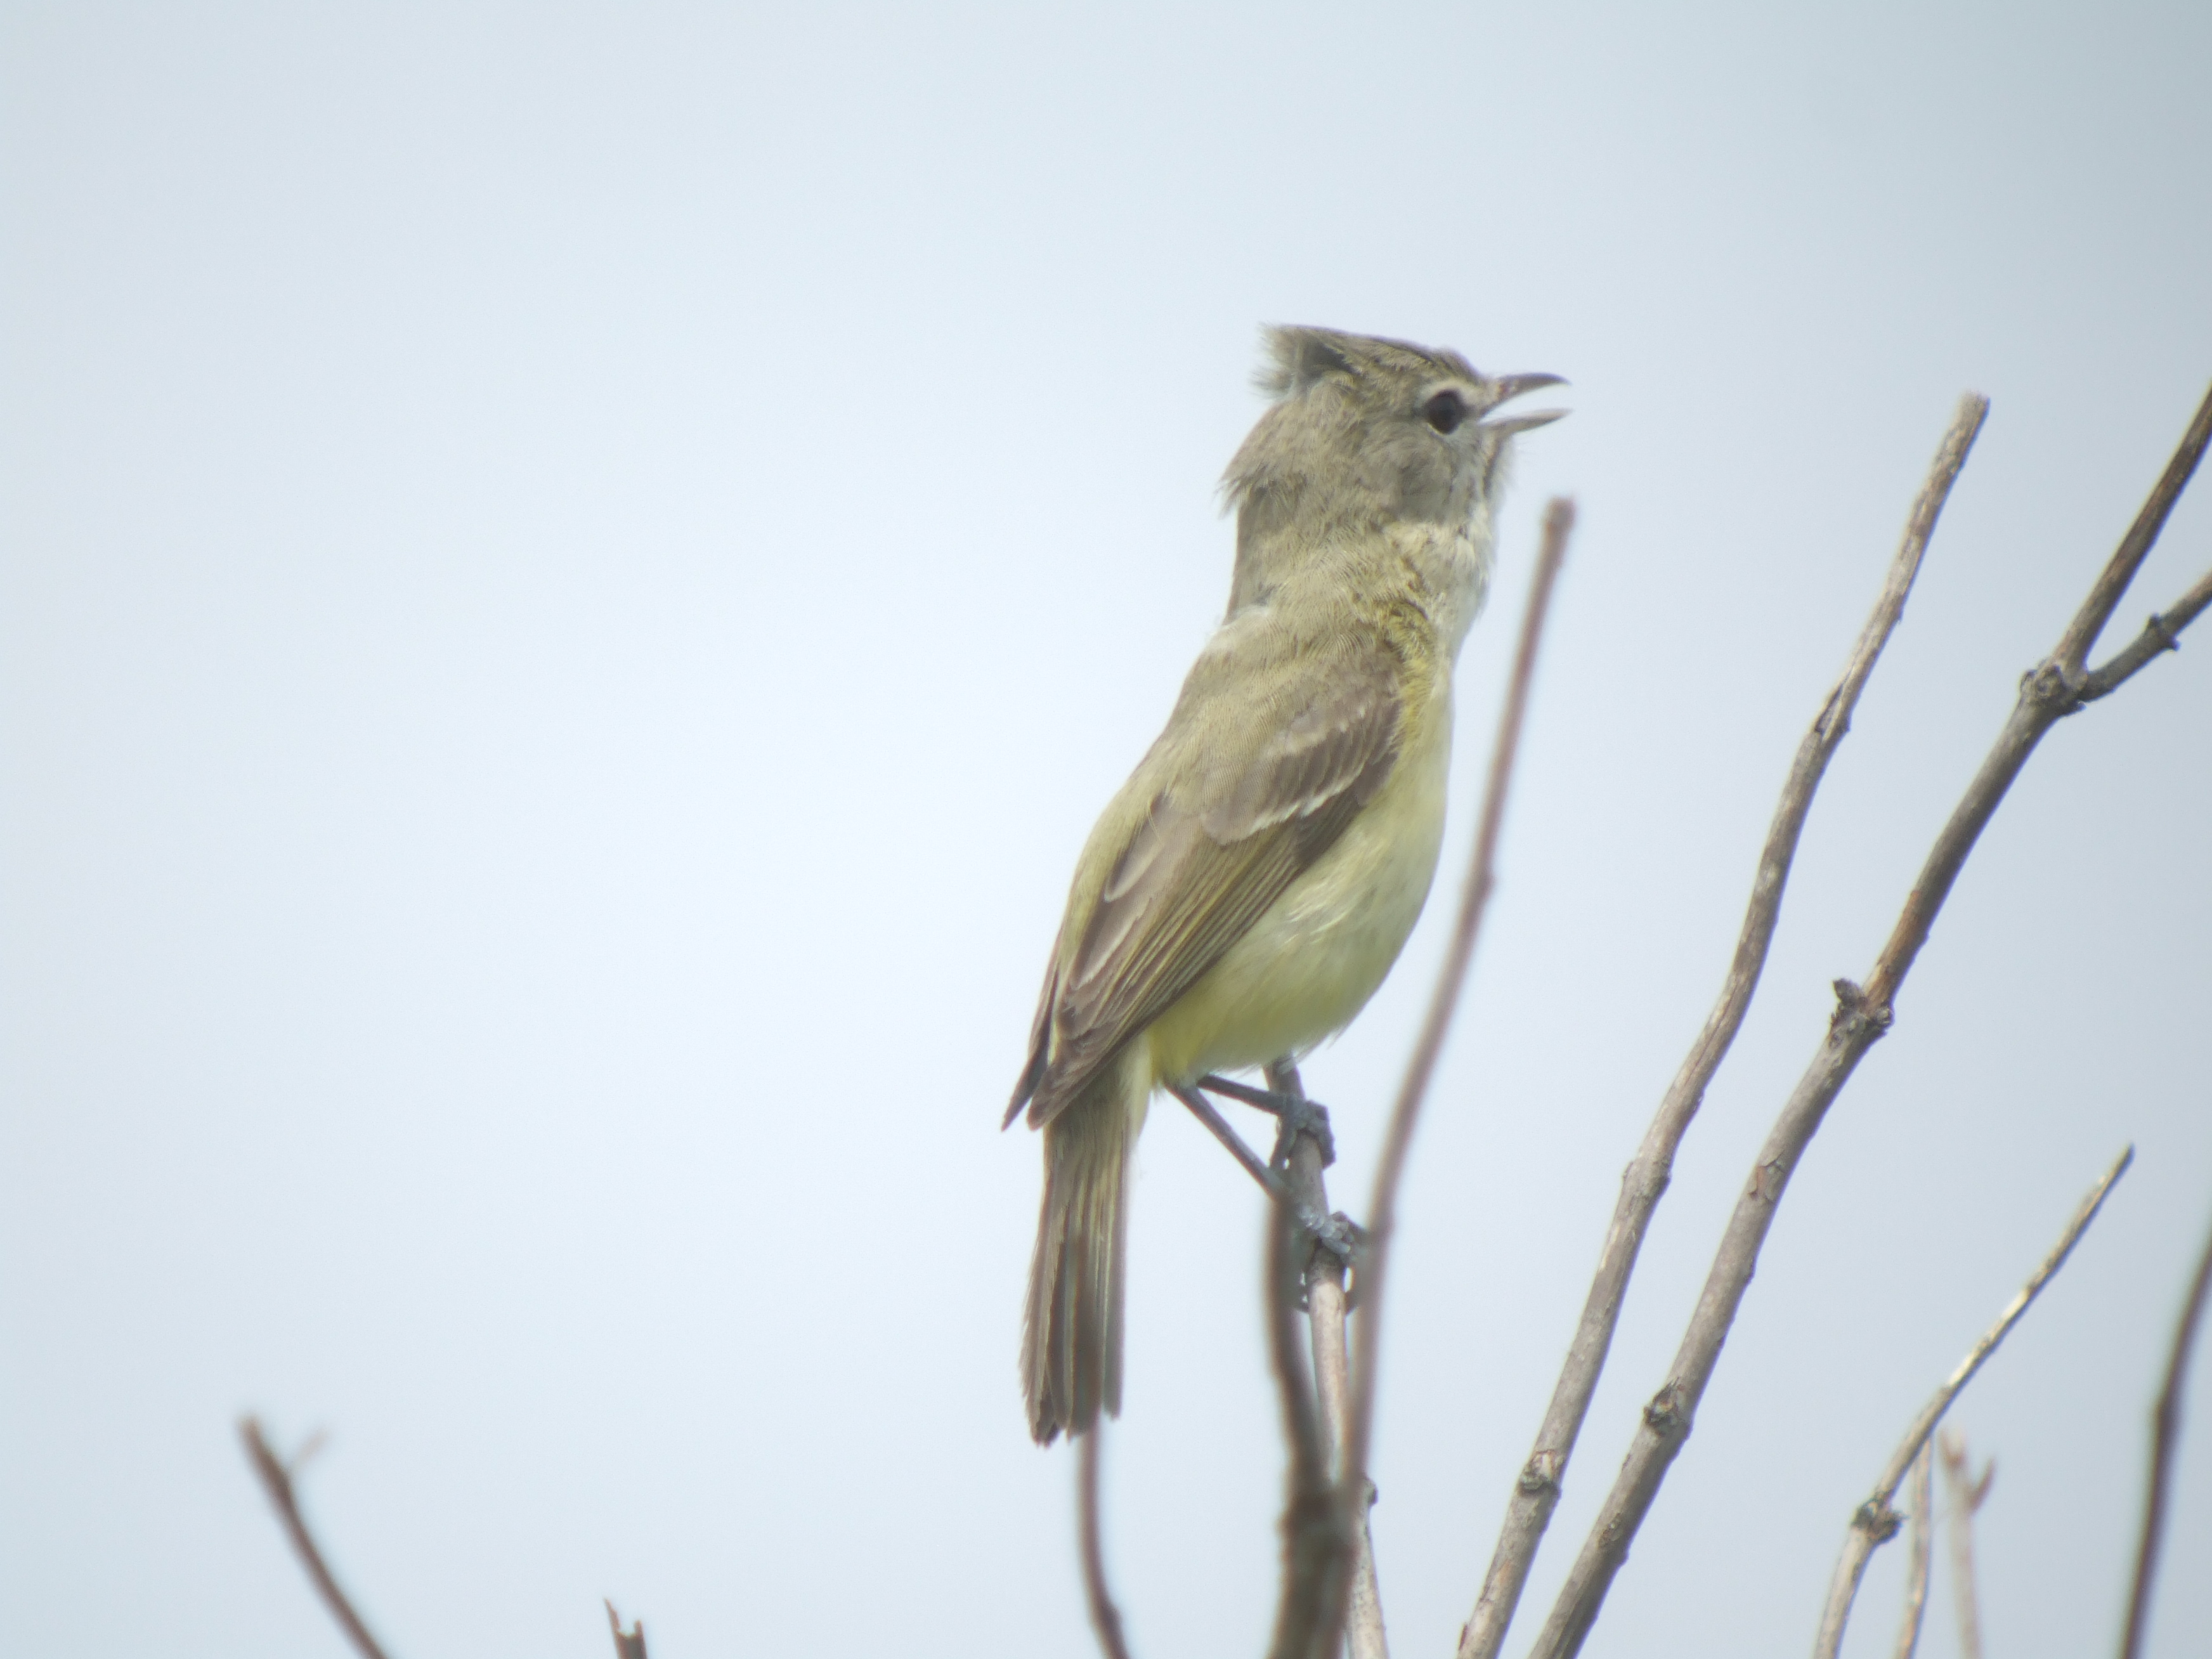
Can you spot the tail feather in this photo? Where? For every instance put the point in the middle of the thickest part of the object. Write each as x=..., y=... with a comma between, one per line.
x=1071, y=1337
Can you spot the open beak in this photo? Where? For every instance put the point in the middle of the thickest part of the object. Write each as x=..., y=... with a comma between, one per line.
x=1510, y=386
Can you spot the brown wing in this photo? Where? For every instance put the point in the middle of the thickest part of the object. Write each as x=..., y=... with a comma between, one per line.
x=1213, y=850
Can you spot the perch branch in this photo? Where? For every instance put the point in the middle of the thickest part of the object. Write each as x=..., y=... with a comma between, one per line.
x=2166, y=1435
x=1314, y=1538
x=1326, y=1308
x=1536, y=1492
x=1861, y=1019
x=1875, y=1523
x=276, y=1480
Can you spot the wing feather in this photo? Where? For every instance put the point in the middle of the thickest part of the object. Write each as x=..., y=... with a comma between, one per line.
x=1214, y=848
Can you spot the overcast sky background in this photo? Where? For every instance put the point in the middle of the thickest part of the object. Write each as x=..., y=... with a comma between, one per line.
x=574, y=578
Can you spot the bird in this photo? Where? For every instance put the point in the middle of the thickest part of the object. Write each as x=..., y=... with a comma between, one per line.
x=1245, y=892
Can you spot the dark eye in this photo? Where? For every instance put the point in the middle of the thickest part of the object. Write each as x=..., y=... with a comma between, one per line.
x=1444, y=411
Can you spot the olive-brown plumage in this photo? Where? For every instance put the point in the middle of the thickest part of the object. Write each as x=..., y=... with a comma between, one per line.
x=1248, y=887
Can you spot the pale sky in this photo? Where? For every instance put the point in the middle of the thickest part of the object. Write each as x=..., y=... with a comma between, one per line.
x=573, y=577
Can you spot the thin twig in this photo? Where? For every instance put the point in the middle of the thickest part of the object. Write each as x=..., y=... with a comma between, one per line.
x=628, y=1643
x=1105, y=1617
x=1919, y=1553
x=1966, y=1495
x=1352, y=1484
x=277, y=1481
x=1861, y=1019
x=2166, y=1436
x=1875, y=1523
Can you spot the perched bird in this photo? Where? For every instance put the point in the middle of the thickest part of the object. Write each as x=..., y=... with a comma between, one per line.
x=1246, y=891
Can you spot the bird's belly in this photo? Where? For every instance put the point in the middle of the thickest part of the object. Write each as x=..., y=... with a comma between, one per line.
x=1312, y=961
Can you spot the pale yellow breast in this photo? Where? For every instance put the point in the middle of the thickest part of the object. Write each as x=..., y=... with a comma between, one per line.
x=1314, y=958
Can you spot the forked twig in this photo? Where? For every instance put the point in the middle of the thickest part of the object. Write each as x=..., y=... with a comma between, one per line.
x=2048, y=694
x=276, y=1480
x=2166, y=1436
x=1875, y=1523
x=1536, y=1492
x=1105, y=1617
x=1351, y=1487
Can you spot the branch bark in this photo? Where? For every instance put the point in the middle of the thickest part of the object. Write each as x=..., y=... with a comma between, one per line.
x=2166, y=1436
x=2048, y=693
x=1536, y=1492
x=1875, y=1523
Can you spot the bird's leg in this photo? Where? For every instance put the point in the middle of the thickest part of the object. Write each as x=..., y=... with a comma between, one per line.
x=1302, y=1118
x=1203, y=1110
x=1333, y=1233
x=1294, y=1113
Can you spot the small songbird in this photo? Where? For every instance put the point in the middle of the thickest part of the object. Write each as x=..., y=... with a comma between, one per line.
x=1246, y=891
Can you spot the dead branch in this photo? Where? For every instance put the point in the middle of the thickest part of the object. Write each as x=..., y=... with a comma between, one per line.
x=1875, y=1523
x=1105, y=1617
x=1862, y=1016
x=1967, y=1493
x=1920, y=1553
x=276, y=1480
x=1536, y=1492
x=2166, y=1436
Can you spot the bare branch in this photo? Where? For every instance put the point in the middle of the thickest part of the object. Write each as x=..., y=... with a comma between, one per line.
x=1105, y=1617
x=1921, y=1551
x=277, y=1481
x=2081, y=637
x=1967, y=1493
x=2166, y=1436
x=1875, y=1523
x=1862, y=1018
x=1536, y=1493
x=628, y=1643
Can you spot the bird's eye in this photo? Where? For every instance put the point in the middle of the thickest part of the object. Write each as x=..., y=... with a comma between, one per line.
x=1445, y=410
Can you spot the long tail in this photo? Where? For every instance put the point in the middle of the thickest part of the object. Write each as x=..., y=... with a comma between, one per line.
x=1071, y=1337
